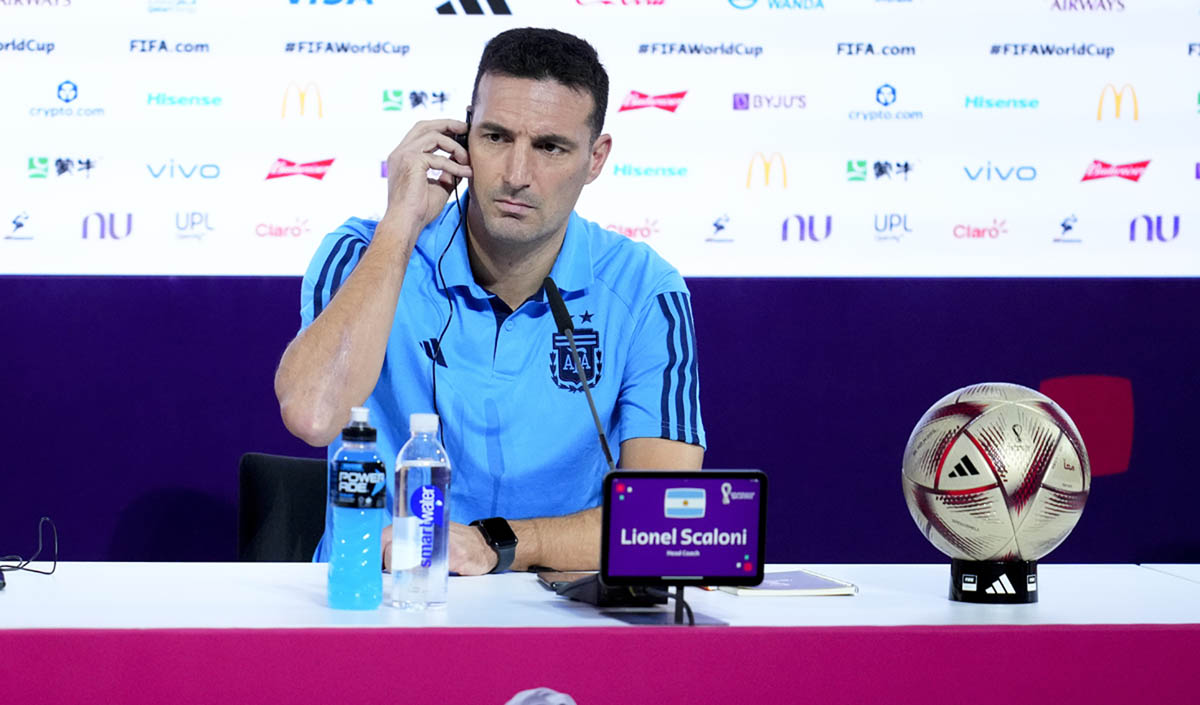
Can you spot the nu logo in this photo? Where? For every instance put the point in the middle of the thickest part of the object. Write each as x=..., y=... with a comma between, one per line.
x=963, y=468
x=808, y=228
x=767, y=163
x=302, y=95
x=108, y=225
x=471, y=7
x=1154, y=229
x=1117, y=97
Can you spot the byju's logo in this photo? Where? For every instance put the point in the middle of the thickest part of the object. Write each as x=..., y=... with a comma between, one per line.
x=767, y=163
x=803, y=228
x=313, y=170
x=192, y=225
x=393, y=100
x=172, y=170
x=1083, y=6
x=856, y=170
x=27, y=45
x=304, y=101
x=868, y=49
x=39, y=167
x=104, y=225
x=667, y=101
x=299, y=228
x=1153, y=229
x=1103, y=170
x=999, y=173
x=755, y=101
x=472, y=7
x=1117, y=97
x=19, y=222
x=780, y=4
x=891, y=226
x=1068, y=227
x=970, y=232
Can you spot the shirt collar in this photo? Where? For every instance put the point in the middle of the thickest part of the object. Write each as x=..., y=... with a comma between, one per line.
x=572, y=270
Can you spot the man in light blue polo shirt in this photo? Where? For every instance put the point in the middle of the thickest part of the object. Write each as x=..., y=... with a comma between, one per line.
x=439, y=306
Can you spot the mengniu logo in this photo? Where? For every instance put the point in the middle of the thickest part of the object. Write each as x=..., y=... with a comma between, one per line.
x=563, y=372
x=104, y=226
x=39, y=167
x=767, y=162
x=472, y=7
x=173, y=170
x=1103, y=170
x=313, y=170
x=1081, y=6
x=1153, y=228
x=971, y=232
x=989, y=172
x=667, y=101
x=856, y=169
x=804, y=228
x=304, y=101
x=891, y=226
x=393, y=100
x=1117, y=98
x=780, y=4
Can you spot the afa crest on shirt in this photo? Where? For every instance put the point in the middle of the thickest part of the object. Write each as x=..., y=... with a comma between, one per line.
x=591, y=358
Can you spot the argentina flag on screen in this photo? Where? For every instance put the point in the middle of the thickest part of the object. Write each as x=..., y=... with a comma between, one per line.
x=683, y=503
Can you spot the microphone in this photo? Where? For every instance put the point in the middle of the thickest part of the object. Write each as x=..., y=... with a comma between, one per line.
x=563, y=320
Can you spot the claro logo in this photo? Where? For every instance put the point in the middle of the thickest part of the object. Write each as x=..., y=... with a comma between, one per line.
x=767, y=162
x=1117, y=97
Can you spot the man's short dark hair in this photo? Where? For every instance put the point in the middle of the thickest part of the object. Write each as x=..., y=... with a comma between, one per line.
x=541, y=54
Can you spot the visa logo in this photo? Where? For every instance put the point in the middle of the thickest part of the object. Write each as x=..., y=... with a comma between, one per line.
x=683, y=503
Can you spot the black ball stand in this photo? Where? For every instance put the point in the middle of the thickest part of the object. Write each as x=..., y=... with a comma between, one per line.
x=993, y=582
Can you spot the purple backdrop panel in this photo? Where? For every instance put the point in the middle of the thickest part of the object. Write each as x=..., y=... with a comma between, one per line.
x=125, y=403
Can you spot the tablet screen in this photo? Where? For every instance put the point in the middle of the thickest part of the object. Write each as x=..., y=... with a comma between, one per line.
x=702, y=527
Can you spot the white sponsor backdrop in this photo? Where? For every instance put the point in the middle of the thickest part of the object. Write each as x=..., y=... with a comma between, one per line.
x=182, y=189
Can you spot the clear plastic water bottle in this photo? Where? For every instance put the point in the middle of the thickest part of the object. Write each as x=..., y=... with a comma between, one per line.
x=421, y=525
x=358, y=509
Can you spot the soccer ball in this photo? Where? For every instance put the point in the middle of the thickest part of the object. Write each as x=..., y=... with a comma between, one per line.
x=995, y=472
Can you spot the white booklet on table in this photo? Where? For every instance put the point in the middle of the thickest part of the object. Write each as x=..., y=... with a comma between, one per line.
x=795, y=582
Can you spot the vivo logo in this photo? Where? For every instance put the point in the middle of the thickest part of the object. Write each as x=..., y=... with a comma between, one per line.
x=1153, y=229
x=1021, y=173
x=172, y=170
x=805, y=228
x=108, y=225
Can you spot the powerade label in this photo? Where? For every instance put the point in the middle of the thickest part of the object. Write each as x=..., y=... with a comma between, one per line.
x=358, y=485
x=427, y=504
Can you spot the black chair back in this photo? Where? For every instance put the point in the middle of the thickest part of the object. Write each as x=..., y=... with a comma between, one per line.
x=281, y=507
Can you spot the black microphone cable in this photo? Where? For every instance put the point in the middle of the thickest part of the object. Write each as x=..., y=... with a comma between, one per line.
x=23, y=564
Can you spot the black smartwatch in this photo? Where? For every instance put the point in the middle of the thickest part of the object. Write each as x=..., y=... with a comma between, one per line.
x=499, y=535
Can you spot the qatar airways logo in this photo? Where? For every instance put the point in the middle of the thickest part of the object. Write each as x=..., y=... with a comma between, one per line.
x=667, y=101
x=313, y=170
x=1103, y=170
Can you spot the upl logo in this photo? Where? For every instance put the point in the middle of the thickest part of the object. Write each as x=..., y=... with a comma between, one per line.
x=1117, y=98
x=304, y=102
x=767, y=162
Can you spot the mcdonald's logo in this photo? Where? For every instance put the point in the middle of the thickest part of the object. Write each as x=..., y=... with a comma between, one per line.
x=767, y=163
x=1117, y=97
x=301, y=102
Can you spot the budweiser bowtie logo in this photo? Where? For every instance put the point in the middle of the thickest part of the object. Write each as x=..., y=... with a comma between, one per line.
x=667, y=101
x=313, y=170
x=1104, y=170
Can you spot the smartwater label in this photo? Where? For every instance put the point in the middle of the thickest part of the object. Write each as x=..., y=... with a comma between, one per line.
x=358, y=485
x=428, y=505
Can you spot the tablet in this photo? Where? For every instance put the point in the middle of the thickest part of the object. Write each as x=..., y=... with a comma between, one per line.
x=676, y=527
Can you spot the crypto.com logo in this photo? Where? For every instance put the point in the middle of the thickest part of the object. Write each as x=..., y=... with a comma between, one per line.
x=667, y=101
x=767, y=162
x=1117, y=97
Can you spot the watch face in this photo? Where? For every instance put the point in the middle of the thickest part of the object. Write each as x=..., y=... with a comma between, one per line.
x=498, y=532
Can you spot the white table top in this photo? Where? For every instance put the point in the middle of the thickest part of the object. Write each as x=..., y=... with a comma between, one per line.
x=1187, y=571
x=292, y=595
